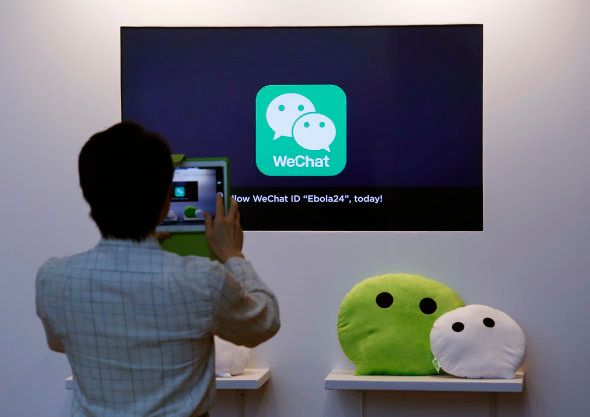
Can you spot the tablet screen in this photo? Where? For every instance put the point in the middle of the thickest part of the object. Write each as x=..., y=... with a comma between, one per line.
x=195, y=185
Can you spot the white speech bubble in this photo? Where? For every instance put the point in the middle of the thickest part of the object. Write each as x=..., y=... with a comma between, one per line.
x=314, y=131
x=282, y=112
x=478, y=341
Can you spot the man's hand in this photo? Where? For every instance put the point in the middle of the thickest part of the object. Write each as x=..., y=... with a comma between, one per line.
x=225, y=234
x=162, y=236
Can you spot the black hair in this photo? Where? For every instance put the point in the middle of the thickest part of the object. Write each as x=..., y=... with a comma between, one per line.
x=125, y=174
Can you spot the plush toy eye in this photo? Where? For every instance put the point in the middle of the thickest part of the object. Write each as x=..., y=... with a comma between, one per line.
x=458, y=326
x=488, y=322
x=384, y=299
x=428, y=305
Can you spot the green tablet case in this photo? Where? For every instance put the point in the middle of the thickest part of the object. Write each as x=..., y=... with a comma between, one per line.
x=194, y=243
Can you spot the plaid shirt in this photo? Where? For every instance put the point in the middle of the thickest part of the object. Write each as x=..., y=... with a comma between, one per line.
x=137, y=325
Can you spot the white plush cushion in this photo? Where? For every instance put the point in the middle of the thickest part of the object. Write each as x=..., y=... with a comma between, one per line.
x=478, y=341
x=230, y=359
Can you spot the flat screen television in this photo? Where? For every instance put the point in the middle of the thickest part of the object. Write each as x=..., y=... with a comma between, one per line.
x=375, y=128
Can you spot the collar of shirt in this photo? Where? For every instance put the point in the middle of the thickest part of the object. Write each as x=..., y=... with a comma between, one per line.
x=148, y=243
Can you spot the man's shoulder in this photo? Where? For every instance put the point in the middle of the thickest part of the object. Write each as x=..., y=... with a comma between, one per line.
x=54, y=273
x=189, y=263
x=56, y=263
x=171, y=265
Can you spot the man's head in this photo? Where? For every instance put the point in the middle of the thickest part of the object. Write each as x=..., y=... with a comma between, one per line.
x=125, y=175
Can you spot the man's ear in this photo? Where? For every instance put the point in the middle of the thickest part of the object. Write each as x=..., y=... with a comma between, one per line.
x=166, y=207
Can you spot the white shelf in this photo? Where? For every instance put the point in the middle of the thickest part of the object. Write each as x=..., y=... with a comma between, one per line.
x=249, y=380
x=346, y=380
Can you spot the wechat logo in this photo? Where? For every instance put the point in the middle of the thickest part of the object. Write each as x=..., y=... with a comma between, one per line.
x=284, y=110
x=179, y=192
x=314, y=131
x=301, y=130
x=294, y=115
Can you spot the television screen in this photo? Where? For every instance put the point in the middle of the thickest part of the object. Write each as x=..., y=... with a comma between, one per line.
x=326, y=128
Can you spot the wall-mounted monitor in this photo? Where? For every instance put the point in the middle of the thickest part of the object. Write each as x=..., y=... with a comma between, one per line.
x=326, y=128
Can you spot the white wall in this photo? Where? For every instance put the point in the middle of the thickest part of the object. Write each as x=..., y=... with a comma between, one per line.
x=59, y=82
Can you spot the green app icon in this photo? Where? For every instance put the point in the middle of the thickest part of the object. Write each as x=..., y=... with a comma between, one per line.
x=301, y=130
x=179, y=192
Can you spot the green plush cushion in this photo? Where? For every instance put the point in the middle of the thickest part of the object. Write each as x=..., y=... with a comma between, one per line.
x=393, y=338
x=190, y=211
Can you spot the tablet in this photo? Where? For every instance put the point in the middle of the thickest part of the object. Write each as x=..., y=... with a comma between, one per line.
x=195, y=185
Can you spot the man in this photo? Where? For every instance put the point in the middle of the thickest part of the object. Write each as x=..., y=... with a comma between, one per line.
x=137, y=322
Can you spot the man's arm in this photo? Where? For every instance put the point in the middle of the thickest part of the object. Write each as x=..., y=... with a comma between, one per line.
x=53, y=341
x=244, y=310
